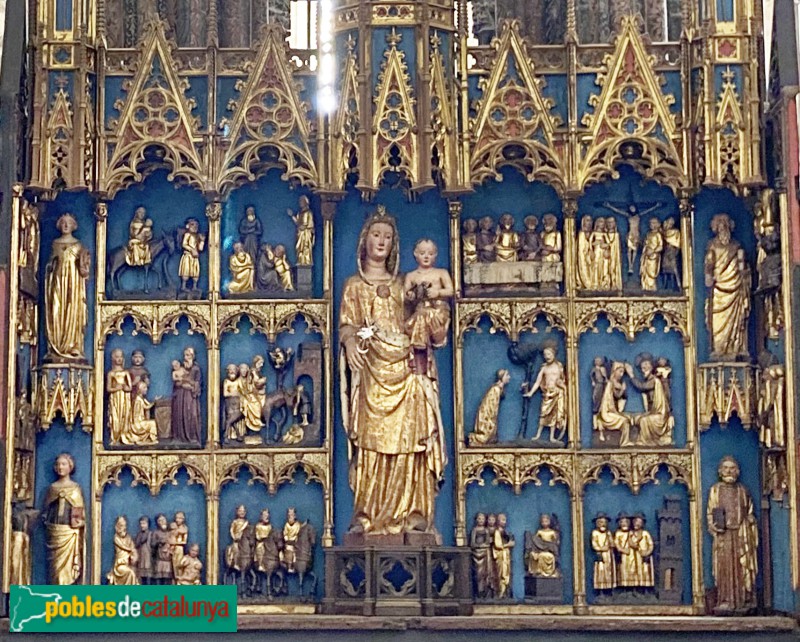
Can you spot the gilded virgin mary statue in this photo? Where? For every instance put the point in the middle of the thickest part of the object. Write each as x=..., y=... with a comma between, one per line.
x=390, y=402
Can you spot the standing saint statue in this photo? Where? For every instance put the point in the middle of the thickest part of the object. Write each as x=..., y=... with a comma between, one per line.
x=585, y=276
x=118, y=388
x=304, y=221
x=390, y=410
x=192, y=243
x=733, y=527
x=65, y=523
x=727, y=280
x=67, y=312
x=186, y=389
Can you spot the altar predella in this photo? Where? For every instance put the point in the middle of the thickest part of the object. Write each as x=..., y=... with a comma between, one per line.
x=422, y=315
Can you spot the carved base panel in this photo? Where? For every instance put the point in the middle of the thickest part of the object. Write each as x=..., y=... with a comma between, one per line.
x=544, y=590
x=397, y=580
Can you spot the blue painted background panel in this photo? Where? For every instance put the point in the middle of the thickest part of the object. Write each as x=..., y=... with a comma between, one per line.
x=612, y=499
x=169, y=205
x=301, y=494
x=523, y=513
x=136, y=501
x=271, y=197
x=615, y=347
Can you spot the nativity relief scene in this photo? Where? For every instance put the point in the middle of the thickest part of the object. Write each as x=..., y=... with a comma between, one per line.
x=405, y=308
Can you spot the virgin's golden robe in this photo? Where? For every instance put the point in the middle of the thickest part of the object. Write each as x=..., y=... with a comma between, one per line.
x=391, y=415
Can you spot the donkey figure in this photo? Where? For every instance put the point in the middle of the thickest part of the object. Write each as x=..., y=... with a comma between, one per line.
x=160, y=250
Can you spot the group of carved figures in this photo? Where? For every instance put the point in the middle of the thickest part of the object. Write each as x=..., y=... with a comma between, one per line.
x=492, y=546
x=550, y=381
x=624, y=558
x=609, y=396
x=257, y=267
x=482, y=242
x=130, y=421
x=260, y=556
x=599, y=252
x=150, y=253
x=253, y=266
x=160, y=556
x=249, y=408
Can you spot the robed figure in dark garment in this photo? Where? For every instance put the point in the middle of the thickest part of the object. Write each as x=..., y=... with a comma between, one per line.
x=250, y=230
x=186, y=399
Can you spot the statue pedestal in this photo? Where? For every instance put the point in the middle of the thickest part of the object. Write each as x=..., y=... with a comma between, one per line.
x=397, y=580
x=304, y=280
x=544, y=590
x=398, y=539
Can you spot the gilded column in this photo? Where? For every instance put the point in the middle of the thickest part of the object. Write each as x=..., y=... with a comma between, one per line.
x=791, y=385
x=696, y=518
x=11, y=377
x=96, y=492
x=578, y=561
x=463, y=87
x=455, y=208
x=213, y=212
x=570, y=208
x=101, y=217
x=328, y=216
x=212, y=530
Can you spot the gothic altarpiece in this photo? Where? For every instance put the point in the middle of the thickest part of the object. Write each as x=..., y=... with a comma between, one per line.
x=533, y=267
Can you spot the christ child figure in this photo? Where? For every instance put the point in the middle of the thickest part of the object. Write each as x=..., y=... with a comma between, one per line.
x=427, y=288
x=178, y=372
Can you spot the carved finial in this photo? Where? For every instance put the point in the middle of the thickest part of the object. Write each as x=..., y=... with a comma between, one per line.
x=393, y=38
x=350, y=44
x=436, y=41
x=728, y=76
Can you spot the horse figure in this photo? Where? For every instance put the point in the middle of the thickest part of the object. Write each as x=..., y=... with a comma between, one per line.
x=277, y=400
x=304, y=557
x=239, y=576
x=160, y=248
x=267, y=568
